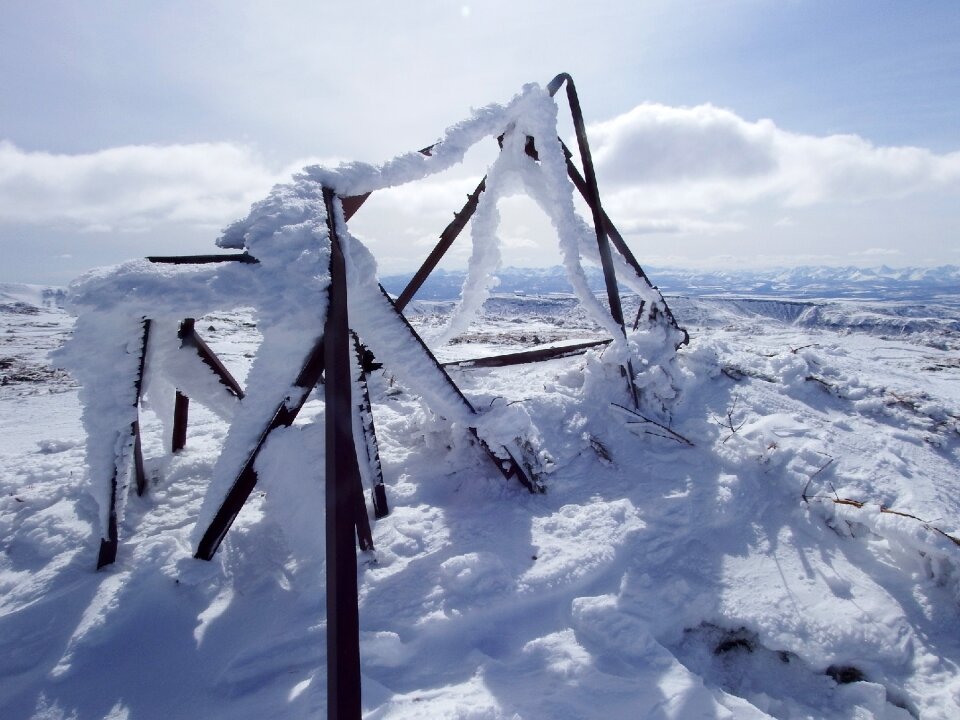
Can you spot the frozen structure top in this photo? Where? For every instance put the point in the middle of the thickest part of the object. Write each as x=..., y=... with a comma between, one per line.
x=315, y=292
x=284, y=273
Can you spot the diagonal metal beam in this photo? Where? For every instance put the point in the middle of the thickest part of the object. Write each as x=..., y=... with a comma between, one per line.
x=527, y=356
x=189, y=338
x=352, y=203
x=618, y=242
x=505, y=460
x=447, y=237
x=593, y=200
x=181, y=409
x=246, y=480
x=369, y=449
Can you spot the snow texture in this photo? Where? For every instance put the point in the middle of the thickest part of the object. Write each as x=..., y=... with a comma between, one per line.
x=653, y=580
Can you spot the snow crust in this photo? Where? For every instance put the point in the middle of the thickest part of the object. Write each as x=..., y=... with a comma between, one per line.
x=653, y=580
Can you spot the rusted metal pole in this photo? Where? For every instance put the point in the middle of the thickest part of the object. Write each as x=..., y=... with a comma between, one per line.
x=138, y=470
x=108, y=545
x=342, y=482
x=246, y=480
x=181, y=414
x=593, y=200
x=528, y=356
x=506, y=462
x=189, y=338
x=369, y=447
x=620, y=244
x=447, y=237
x=243, y=257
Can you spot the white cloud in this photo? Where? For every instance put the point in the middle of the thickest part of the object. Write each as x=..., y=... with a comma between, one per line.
x=687, y=174
x=710, y=160
x=677, y=224
x=132, y=188
x=877, y=252
x=660, y=144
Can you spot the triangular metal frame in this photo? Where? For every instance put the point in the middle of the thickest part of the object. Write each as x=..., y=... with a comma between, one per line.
x=314, y=364
x=339, y=355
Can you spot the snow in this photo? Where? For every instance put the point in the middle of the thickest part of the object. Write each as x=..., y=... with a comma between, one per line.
x=546, y=182
x=665, y=582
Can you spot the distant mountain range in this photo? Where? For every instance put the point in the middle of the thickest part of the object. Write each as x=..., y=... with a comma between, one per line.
x=803, y=282
x=17, y=295
x=882, y=283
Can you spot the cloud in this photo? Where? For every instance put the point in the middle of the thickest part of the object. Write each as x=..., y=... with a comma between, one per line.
x=876, y=252
x=677, y=224
x=660, y=144
x=684, y=174
x=134, y=187
x=709, y=159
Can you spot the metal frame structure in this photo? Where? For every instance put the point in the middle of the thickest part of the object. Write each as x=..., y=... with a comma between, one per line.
x=338, y=356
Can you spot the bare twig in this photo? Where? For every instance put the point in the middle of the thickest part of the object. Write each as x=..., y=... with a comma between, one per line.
x=819, y=470
x=890, y=511
x=601, y=450
x=733, y=373
x=644, y=420
x=729, y=424
x=737, y=373
x=825, y=384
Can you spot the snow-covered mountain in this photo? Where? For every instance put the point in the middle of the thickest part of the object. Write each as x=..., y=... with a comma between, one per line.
x=815, y=282
x=798, y=559
x=28, y=297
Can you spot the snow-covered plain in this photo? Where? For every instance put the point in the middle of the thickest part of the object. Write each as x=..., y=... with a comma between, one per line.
x=654, y=579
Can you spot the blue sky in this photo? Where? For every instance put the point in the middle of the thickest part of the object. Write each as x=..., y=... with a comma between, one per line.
x=130, y=128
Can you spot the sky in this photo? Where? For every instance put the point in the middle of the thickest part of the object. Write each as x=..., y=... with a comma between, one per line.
x=726, y=133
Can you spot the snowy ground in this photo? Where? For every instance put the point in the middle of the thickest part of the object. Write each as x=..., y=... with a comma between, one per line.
x=654, y=579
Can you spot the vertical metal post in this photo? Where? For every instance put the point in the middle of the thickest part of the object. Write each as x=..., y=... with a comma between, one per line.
x=138, y=469
x=181, y=406
x=342, y=482
x=109, y=544
x=181, y=413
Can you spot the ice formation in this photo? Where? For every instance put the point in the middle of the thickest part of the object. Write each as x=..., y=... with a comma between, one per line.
x=287, y=233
